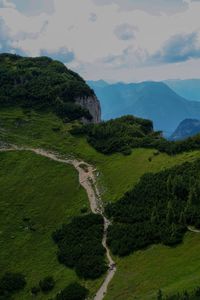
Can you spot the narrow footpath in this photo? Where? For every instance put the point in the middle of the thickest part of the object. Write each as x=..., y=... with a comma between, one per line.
x=87, y=180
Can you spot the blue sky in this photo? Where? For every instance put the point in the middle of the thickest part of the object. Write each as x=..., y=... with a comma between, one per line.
x=116, y=40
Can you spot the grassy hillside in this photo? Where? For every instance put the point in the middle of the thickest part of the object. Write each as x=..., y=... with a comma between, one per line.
x=141, y=275
x=37, y=196
x=49, y=132
x=116, y=174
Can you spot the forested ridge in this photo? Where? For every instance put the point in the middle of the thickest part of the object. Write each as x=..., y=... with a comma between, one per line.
x=129, y=132
x=118, y=135
x=157, y=210
x=43, y=84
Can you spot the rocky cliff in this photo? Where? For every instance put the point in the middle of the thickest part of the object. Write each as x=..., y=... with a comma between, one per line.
x=93, y=105
x=45, y=84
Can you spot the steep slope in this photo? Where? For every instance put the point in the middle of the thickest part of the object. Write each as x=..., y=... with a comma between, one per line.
x=188, y=88
x=39, y=127
x=151, y=100
x=45, y=84
x=187, y=128
x=47, y=131
x=37, y=195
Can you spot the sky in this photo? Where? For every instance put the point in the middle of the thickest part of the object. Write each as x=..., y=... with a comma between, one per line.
x=114, y=40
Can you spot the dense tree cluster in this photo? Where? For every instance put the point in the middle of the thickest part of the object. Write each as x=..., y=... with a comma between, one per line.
x=80, y=246
x=73, y=291
x=128, y=132
x=41, y=83
x=11, y=283
x=157, y=210
x=118, y=135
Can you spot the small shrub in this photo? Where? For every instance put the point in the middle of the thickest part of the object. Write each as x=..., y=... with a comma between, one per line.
x=35, y=290
x=73, y=292
x=84, y=210
x=56, y=129
x=47, y=284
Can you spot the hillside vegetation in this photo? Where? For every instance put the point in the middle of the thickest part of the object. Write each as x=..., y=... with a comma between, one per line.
x=45, y=130
x=119, y=135
x=51, y=244
x=43, y=84
x=172, y=269
x=128, y=132
x=37, y=196
x=157, y=210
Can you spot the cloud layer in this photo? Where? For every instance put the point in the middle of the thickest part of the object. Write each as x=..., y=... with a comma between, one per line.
x=178, y=48
x=153, y=6
x=126, y=40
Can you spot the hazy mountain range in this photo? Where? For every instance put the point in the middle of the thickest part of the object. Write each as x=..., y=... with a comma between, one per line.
x=189, y=88
x=187, y=128
x=151, y=100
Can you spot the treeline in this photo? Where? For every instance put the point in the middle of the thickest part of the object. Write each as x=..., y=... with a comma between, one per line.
x=128, y=132
x=80, y=246
x=157, y=210
x=194, y=295
x=41, y=83
x=118, y=135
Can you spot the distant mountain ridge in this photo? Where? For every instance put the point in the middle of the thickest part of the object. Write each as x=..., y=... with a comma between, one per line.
x=188, y=88
x=187, y=128
x=150, y=100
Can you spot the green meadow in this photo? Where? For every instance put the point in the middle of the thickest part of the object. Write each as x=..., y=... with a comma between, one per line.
x=37, y=196
x=140, y=275
x=48, y=193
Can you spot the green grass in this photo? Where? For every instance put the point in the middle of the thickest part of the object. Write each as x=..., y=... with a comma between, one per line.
x=49, y=194
x=140, y=275
x=118, y=173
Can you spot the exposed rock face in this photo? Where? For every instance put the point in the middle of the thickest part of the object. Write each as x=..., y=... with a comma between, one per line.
x=93, y=105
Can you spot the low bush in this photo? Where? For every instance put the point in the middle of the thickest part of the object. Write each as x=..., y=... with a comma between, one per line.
x=47, y=284
x=73, y=292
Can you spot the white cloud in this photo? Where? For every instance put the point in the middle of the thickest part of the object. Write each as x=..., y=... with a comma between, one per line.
x=125, y=31
x=102, y=40
x=151, y=6
x=7, y=4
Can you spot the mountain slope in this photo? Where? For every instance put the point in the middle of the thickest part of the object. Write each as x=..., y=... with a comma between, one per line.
x=45, y=84
x=187, y=128
x=49, y=186
x=47, y=131
x=37, y=195
x=151, y=100
x=189, y=88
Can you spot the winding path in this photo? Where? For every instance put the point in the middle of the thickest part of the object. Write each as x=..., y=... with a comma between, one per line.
x=192, y=229
x=87, y=179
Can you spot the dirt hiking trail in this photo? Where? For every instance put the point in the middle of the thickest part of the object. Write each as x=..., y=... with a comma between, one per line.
x=87, y=180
